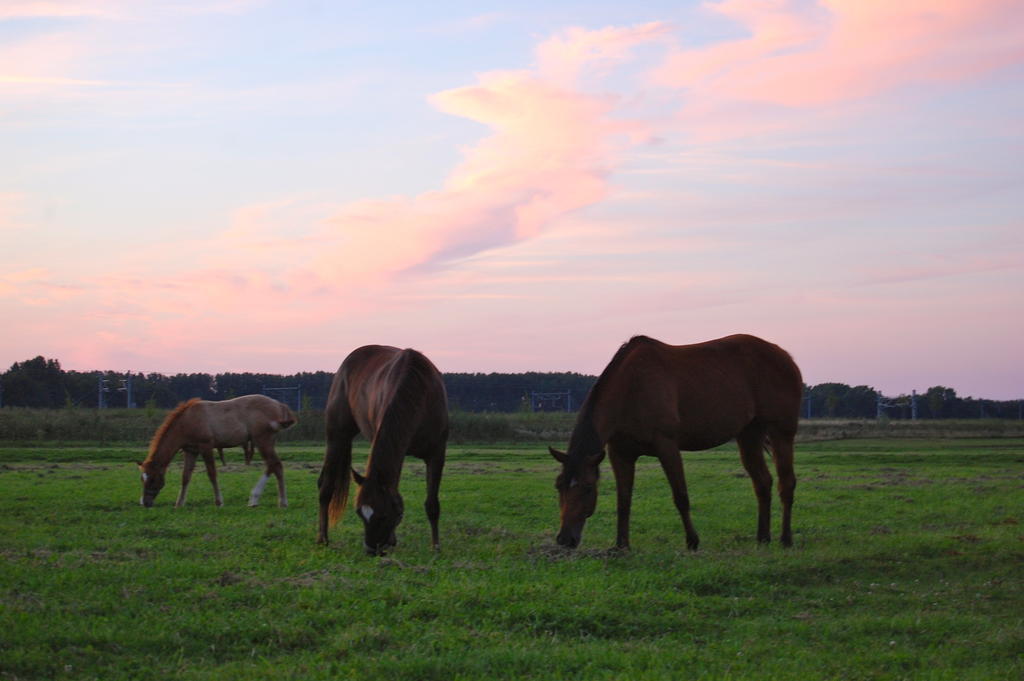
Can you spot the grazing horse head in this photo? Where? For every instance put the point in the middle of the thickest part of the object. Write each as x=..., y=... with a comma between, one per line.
x=577, y=493
x=381, y=510
x=152, y=482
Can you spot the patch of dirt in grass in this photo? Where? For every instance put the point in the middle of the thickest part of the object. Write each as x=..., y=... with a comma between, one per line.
x=386, y=562
x=314, y=578
x=968, y=538
x=472, y=468
x=227, y=578
x=555, y=553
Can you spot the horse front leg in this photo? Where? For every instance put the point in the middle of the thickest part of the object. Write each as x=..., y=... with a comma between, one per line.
x=186, y=477
x=432, y=505
x=672, y=463
x=211, y=472
x=624, y=468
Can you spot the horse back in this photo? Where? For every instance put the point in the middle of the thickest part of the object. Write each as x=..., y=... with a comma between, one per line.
x=701, y=394
x=235, y=421
x=375, y=379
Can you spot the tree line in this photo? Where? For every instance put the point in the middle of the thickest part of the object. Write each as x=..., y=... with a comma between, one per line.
x=42, y=383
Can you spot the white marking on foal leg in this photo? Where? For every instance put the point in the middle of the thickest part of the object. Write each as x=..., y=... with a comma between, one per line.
x=257, y=491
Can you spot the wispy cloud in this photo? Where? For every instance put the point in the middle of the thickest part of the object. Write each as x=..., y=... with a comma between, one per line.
x=802, y=53
x=549, y=153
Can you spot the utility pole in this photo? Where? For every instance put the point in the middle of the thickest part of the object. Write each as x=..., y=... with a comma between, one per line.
x=101, y=386
x=126, y=387
x=880, y=407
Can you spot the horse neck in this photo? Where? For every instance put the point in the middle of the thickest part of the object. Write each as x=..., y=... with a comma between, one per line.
x=385, y=465
x=169, y=444
x=586, y=436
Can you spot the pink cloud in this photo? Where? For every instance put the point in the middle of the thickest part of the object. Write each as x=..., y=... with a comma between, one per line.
x=563, y=58
x=550, y=152
x=807, y=54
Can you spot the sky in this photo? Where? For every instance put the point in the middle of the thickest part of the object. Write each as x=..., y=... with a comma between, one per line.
x=260, y=185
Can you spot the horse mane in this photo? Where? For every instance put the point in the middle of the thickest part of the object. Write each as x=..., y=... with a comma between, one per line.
x=398, y=424
x=171, y=419
x=613, y=366
x=584, y=436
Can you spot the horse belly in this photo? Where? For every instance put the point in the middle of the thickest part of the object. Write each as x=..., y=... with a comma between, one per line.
x=705, y=430
x=230, y=433
x=695, y=442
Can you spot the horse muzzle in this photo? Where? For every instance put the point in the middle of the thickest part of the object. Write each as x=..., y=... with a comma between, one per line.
x=380, y=549
x=569, y=537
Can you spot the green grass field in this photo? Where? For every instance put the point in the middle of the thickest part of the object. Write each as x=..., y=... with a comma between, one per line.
x=908, y=563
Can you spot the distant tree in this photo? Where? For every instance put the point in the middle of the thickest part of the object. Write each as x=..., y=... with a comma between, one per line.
x=860, y=402
x=37, y=382
x=936, y=399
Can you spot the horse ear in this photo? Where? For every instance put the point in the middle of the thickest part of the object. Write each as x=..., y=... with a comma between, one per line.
x=360, y=480
x=560, y=457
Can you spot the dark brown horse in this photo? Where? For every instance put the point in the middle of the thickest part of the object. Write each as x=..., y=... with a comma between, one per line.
x=198, y=427
x=656, y=399
x=397, y=400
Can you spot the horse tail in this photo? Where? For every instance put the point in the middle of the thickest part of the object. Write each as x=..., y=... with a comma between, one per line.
x=287, y=417
x=340, y=483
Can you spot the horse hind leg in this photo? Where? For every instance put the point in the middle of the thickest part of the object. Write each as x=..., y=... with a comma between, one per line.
x=751, y=443
x=782, y=452
x=273, y=467
x=211, y=472
x=432, y=505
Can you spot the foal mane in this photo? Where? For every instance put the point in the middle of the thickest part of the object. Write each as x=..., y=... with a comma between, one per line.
x=166, y=425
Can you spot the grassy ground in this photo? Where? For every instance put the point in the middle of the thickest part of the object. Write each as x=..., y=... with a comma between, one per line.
x=907, y=564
